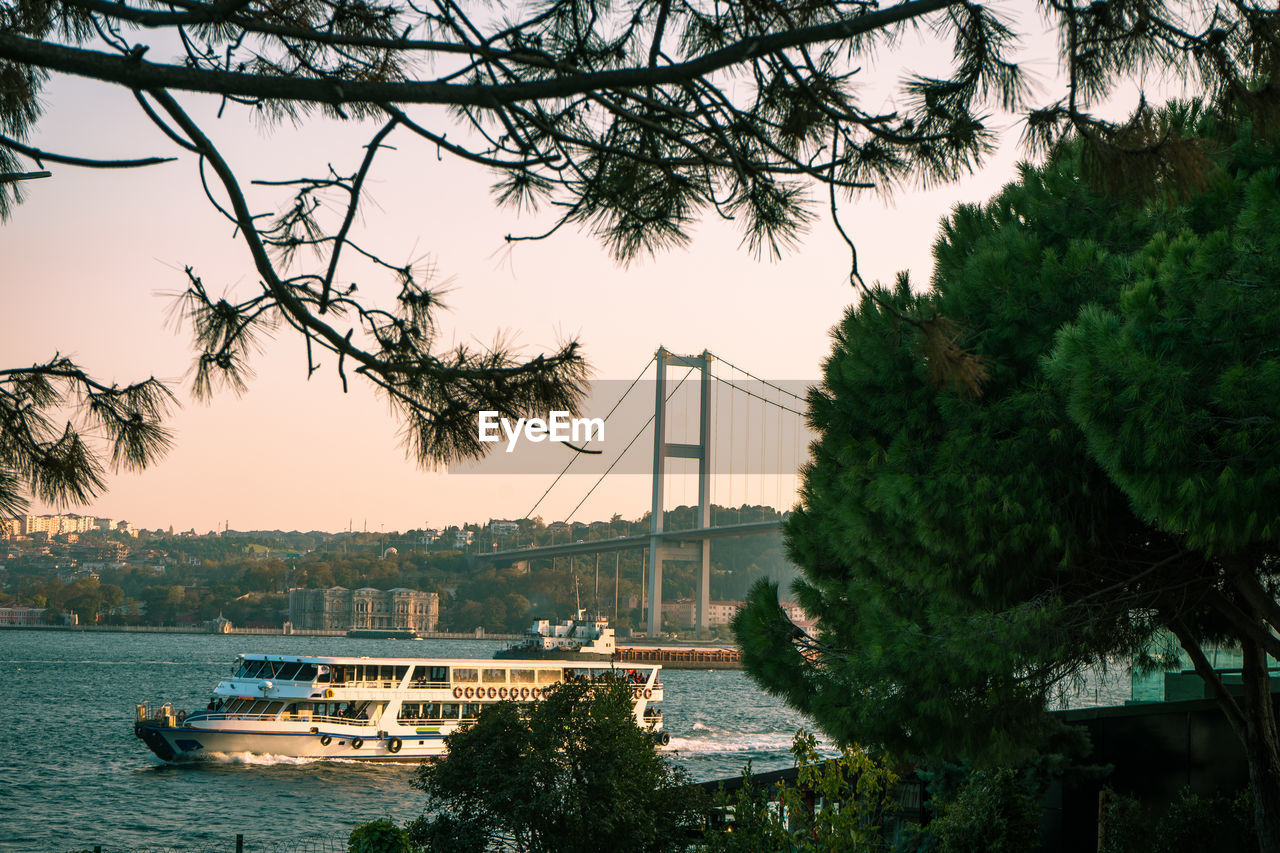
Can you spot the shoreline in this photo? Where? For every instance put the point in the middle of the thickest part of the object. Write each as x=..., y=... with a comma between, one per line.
x=257, y=632
x=671, y=655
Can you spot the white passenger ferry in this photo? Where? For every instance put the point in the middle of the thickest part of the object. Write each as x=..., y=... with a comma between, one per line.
x=388, y=709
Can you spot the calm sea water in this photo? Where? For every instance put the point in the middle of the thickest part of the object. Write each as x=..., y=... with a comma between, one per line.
x=72, y=775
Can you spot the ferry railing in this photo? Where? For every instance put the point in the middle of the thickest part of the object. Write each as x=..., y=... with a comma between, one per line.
x=384, y=685
x=289, y=718
x=332, y=720
x=433, y=721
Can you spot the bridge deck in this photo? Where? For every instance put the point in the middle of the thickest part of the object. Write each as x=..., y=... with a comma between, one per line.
x=626, y=543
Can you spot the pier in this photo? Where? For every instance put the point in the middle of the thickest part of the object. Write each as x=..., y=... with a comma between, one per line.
x=682, y=657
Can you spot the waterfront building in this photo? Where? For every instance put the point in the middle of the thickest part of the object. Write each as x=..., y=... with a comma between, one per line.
x=17, y=616
x=341, y=609
x=683, y=613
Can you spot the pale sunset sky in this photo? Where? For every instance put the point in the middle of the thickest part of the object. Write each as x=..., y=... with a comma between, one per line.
x=90, y=262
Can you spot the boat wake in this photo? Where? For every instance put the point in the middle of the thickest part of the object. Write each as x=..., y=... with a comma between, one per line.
x=708, y=741
x=252, y=759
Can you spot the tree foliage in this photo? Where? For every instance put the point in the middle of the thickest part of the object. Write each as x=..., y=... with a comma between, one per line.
x=49, y=415
x=378, y=836
x=1190, y=823
x=574, y=772
x=843, y=802
x=992, y=813
x=630, y=120
x=967, y=557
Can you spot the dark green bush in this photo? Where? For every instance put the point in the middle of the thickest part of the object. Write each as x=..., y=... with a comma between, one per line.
x=992, y=813
x=1123, y=827
x=1196, y=823
x=447, y=834
x=1191, y=824
x=378, y=836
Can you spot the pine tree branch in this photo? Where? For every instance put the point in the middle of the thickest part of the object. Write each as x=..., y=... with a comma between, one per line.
x=137, y=73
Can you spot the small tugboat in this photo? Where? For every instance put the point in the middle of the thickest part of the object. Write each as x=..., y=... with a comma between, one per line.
x=584, y=637
x=368, y=709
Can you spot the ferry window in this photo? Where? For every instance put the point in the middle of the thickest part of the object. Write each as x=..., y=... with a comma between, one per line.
x=431, y=710
x=522, y=676
x=401, y=672
x=386, y=673
x=273, y=708
x=307, y=672
x=470, y=711
x=241, y=669
x=408, y=711
x=448, y=711
x=495, y=676
x=288, y=672
x=466, y=675
x=548, y=676
x=439, y=673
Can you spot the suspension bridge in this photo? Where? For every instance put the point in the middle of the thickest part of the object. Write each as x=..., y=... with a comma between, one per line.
x=726, y=418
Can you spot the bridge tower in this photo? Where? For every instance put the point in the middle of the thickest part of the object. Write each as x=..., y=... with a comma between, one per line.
x=663, y=450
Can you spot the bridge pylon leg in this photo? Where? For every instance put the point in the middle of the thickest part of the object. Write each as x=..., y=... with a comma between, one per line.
x=662, y=450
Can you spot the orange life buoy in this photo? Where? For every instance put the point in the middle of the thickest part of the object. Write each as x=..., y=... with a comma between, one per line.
x=524, y=692
x=535, y=693
x=493, y=693
x=502, y=693
x=648, y=694
x=180, y=717
x=457, y=693
x=468, y=693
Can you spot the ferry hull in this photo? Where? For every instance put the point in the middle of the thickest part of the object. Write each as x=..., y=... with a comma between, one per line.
x=194, y=743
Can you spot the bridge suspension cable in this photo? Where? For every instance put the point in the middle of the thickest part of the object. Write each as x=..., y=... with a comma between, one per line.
x=750, y=375
x=774, y=403
x=574, y=457
x=639, y=433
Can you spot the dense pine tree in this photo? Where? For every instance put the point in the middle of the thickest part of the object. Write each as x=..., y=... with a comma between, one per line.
x=966, y=554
